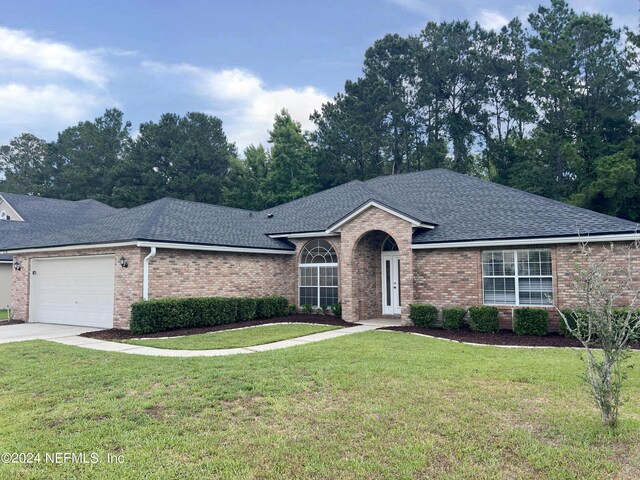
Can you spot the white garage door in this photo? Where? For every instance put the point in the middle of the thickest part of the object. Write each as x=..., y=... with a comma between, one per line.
x=73, y=291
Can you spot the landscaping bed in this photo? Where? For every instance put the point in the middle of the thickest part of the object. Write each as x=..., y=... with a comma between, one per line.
x=501, y=337
x=119, y=334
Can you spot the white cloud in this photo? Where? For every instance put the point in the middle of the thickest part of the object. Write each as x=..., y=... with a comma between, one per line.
x=40, y=109
x=491, y=20
x=19, y=51
x=242, y=100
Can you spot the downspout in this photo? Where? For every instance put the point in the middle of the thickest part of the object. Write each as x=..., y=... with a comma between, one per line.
x=145, y=274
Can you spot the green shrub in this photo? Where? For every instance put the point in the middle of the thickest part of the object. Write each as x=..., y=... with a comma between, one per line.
x=307, y=308
x=570, y=313
x=292, y=309
x=269, y=307
x=453, y=317
x=423, y=315
x=336, y=308
x=246, y=309
x=171, y=313
x=531, y=321
x=484, y=319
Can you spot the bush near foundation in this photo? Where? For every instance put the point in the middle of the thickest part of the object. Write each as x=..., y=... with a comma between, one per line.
x=172, y=313
x=484, y=319
x=423, y=315
x=453, y=317
x=531, y=321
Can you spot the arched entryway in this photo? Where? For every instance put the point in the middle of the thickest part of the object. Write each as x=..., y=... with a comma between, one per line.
x=376, y=276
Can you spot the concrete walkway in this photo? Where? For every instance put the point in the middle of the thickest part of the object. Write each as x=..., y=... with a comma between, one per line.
x=65, y=337
x=22, y=332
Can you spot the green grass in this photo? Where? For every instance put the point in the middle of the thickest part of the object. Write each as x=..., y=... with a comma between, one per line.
x=4, y=314
x=245, y=337
x=372, y=405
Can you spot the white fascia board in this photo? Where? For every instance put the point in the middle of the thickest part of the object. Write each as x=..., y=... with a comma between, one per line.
x=6, y=261
x=355, y=213
x=305, y=235
x=70, y=247
x=4, y=200
x=213, y=248
x=622, y=237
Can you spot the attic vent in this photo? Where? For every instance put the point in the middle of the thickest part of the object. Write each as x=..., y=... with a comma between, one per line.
x=269, y=215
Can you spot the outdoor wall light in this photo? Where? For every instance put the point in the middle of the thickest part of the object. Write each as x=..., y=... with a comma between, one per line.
x=17, y=266
x=123, y=262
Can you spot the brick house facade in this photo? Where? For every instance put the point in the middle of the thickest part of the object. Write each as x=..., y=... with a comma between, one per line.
x=205, y=250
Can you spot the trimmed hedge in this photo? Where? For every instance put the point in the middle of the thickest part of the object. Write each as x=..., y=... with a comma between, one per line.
x=453, y=317
x=570, y=313
x=484, y=319
x=531, y=321
x=268, y=307
x=423, y=315
x=173, y=313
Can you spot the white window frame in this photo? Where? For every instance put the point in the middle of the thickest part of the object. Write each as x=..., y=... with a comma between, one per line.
x=517, y=277
x=317, y=275
x=316, y=266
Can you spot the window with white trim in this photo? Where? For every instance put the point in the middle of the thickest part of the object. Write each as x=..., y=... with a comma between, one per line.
x=318, y=277
x=517, y=277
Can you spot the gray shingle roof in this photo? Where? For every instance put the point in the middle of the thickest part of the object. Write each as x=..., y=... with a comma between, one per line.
x=463, y=208
x=168, y=220
x=45, y=215
x=467, y=208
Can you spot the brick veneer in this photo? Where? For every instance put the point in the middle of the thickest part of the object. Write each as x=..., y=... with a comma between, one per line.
x=357, y=243
x=453, y=277
x=184, y=273
x=127, y=288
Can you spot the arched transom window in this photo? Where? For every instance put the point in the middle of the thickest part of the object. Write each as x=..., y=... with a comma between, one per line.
x=318, y=278
x=389, y=245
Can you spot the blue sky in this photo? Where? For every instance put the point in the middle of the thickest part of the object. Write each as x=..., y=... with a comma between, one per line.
x=66, y=61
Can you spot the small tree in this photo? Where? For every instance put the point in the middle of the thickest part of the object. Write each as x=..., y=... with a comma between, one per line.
x=601, y=282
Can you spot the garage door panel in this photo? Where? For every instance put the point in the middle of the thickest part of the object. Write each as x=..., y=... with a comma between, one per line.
x=73, y=291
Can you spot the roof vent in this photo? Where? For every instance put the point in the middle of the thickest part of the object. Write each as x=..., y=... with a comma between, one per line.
x=269, y=215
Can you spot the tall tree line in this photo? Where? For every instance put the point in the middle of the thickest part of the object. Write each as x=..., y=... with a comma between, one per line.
x=551, y=109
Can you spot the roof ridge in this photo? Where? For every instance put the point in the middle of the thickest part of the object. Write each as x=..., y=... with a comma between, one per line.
x=311, y=195
x=206, y=204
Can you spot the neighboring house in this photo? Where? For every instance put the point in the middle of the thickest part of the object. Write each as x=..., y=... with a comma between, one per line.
x=24, y=216
x=377, y=246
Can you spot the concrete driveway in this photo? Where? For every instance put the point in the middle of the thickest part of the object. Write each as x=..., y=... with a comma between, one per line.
x=39, y=331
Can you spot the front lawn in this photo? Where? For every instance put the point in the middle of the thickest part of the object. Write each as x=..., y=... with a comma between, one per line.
x=245, y=337
x=4, y=314
x=371, y=405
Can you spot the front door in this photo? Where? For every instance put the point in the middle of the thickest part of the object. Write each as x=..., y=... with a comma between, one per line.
x=391, y=284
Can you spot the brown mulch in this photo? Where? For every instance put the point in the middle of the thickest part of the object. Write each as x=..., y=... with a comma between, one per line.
x=10, y=322
x=502, y=337
x=118, y=334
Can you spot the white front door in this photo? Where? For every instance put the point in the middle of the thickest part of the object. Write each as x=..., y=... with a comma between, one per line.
x=391, y=284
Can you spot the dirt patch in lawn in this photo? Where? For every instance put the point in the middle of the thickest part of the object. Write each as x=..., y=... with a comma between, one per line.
x=118, y=334
x=501, y=337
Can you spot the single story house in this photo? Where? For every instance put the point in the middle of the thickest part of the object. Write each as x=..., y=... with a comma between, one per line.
x=23, y=216
x=377, y=246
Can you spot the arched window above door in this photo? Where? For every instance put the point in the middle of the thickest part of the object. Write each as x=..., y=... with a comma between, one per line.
x=389, y=245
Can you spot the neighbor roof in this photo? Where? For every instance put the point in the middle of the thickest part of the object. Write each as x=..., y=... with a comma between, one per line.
x=460, y=208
